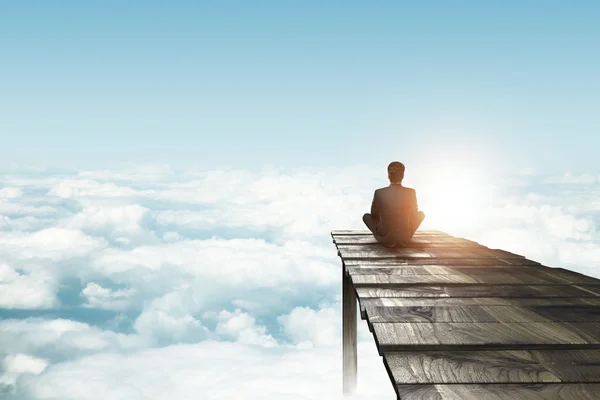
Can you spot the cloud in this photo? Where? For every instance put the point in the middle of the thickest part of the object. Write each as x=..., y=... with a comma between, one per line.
x=227, y=279
x=10, y=193
x=59, y=339
x=16, y=365
x=26, y=291
x=309, y=328
x=568, y=178
x=90, y=189
x=242, y=326
x=218, y=370
x=52, y=243
x=100, y=297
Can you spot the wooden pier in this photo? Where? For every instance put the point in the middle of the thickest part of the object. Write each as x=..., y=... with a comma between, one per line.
x=455, y=320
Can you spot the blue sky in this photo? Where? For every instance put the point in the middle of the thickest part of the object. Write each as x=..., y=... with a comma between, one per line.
x=300, y=83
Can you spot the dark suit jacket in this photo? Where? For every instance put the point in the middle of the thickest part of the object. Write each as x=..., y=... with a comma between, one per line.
x=393, y=210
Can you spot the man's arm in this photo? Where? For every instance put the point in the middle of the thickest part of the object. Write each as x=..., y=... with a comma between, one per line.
x=414, y=206
x=375, y=208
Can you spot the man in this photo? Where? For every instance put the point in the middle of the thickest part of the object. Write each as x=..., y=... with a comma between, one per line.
x=394, y=216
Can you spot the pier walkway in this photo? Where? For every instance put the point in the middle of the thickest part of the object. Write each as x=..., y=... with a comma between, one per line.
x=455, y=320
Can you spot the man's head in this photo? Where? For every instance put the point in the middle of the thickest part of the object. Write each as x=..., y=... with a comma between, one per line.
x=396, y=172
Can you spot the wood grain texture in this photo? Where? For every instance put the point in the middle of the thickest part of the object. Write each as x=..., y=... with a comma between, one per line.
x=457, y=320
x=579, y=313
x=590, y=331
x=457, y=314
x=431, y=367
x=571, y=365
x=464, y=262
x=471, y=291
x=443, y=270
x=590, y=288
x=522, y=278
x=442, y=256
x=393, y=336
x=547, y=307
x=345, y=232
x=418, y=235
x=401, y=270
x=571, y=276
x=378, y=250
x=419, y=241
x=521, y=391
x=349, y=336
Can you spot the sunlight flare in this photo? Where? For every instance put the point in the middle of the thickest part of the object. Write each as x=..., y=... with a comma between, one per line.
x=454, y=199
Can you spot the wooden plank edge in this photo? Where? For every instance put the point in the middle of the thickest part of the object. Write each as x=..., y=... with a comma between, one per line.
x=480, y=347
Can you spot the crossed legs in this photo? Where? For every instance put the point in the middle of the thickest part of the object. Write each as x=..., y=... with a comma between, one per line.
x=416, y=221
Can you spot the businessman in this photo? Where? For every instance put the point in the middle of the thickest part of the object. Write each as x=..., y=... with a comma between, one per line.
x=394, y=216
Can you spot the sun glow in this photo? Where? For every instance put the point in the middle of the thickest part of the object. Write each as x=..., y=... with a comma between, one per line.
x=453, y=199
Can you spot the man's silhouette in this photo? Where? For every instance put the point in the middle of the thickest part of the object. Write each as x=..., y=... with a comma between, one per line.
x=394, y=216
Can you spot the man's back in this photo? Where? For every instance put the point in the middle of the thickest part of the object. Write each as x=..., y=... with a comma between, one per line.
x=393, y=210
x=394, y=216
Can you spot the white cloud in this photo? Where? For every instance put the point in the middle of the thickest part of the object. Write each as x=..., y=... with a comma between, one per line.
x=170, y=318
x=234, y=262
x=121, y=219
x=16, y=365
x=218, y=370
x=242, y=326
x=215, y=276
x=81, y=188
x=61, y=338
x=568, y=178
x=100, y=297
x=52, y=243
x=10, y=193
x=307, y=327
x=28, y=291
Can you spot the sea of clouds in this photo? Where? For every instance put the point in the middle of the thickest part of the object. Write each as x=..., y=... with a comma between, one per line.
x=150, y=282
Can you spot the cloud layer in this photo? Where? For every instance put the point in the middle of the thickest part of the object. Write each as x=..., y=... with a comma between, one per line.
x=152, y=282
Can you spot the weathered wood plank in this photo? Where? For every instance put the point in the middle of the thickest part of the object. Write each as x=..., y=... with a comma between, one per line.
x=380, y=252
x=487, y=301
x=571, y=276
x=416, y=244
x=539, y=391
x=419, y=232
x=471, y=248
x=568, y=313
x=431, y=367
x=464, y=262
x=571, y=365
x=420, y=244
x=405, y=253
x=349, y=335
x=590, y=331
x=590, y=288
x=545, y=291
x=404, y=336
x=544, y=272
x=415, y=241
x=522, y=278
x=439, y=270
x=512, y=319
x=428, y=314
x=482, y=301
x=401, y=270
x=576, y=373
x=456, y=313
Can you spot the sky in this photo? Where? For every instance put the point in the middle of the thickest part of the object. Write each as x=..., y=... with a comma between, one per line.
x=300, y=83
x=170, y=174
